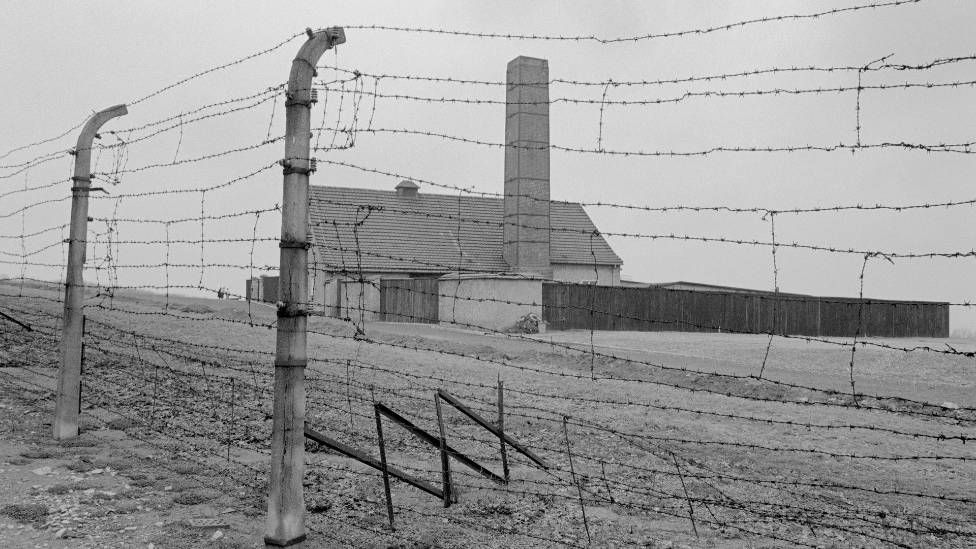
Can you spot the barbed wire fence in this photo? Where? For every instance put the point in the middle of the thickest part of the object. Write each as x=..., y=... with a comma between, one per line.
x=636, y=446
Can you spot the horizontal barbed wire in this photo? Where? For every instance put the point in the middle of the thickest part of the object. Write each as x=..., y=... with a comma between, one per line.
x=966, y=147
x=658, y=209
x=633, y=38
x=940, y=413
x=622, y=82
x=764, y=92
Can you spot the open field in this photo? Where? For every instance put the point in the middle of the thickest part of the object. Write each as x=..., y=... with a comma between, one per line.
x=671, y=442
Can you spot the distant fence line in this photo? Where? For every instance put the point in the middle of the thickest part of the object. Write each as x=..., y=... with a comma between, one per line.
x=581, y=306
x=568, y=306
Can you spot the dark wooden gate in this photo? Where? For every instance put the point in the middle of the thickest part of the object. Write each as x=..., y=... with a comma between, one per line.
x=409, y=300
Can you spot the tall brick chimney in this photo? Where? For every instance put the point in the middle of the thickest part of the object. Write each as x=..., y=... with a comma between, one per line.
x=526, y=232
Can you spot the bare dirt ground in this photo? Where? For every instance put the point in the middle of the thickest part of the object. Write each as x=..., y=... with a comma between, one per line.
x=104, y=489
x=664, y=453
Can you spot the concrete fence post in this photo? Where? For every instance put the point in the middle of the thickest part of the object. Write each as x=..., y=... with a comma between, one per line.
x=286, y=505
x=68, y=402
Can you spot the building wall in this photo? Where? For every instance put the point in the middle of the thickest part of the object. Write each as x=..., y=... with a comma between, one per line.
x=487, y=307
x=264, y=289
x=359, y=300
x=339, y=296
x=605, y=275
x=318, y=281
x=336, y=295
x=269, y=289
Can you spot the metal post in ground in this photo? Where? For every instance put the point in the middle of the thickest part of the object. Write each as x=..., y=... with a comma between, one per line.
x=501, y=427
x=445, y=461
x=286, y=504
x=81, y=367
x=67, y=405
x=386, y=469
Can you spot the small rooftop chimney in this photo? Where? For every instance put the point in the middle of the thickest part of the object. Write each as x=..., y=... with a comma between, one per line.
x=407, y=188
x=526, y=230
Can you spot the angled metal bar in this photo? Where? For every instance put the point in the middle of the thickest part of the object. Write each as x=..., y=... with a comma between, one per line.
x=81, y=365
x=15, y=321
x=385, y=469
x=445, y=461
x=453, y=401
x=436, y=442
x=501, y=426
x=367, y=459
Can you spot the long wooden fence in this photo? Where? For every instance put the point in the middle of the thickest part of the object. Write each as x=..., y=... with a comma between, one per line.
x=581, y=306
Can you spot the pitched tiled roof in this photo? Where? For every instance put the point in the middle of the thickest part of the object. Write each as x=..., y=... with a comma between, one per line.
x=422, y=233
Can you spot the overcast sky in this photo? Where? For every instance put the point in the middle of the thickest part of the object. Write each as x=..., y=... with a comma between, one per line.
x=62, y=60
